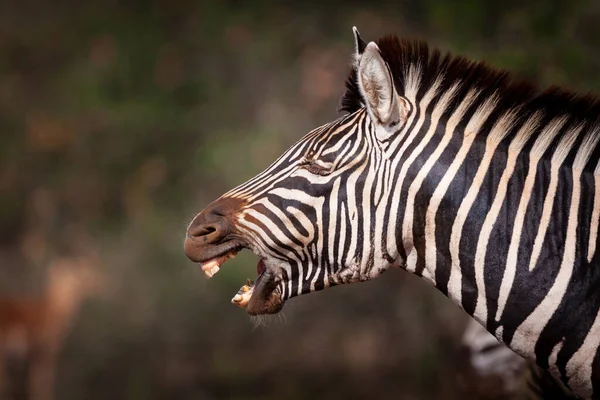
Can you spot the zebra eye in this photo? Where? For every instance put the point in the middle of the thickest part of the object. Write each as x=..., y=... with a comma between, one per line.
x=317, y=167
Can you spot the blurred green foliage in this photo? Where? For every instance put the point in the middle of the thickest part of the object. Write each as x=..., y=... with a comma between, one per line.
x=118, y=122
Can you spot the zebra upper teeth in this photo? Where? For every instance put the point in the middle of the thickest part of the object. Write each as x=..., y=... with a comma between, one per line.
x=211, y=267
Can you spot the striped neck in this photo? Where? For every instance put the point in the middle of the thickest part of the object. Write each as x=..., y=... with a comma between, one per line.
x=500, y=211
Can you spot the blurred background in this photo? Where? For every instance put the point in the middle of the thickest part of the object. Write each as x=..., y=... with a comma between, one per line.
x=118, y=123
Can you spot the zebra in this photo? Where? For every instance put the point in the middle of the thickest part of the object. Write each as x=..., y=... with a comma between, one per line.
x=485, y=186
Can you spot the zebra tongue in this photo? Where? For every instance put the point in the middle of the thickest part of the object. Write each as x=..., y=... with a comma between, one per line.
x=260, y=267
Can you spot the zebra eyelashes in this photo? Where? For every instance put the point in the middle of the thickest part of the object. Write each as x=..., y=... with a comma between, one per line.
x=316, y=167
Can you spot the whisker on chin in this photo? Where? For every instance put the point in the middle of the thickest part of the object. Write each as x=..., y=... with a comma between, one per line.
x=282, y=318
x=258, y=320
x=265, y=320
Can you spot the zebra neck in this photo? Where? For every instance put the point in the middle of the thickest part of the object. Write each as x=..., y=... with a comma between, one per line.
x=502, y=216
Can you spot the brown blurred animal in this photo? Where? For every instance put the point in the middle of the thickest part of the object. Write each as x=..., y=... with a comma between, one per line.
x=33, y=329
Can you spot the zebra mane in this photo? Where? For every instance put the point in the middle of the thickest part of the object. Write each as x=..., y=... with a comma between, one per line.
x=513, y=93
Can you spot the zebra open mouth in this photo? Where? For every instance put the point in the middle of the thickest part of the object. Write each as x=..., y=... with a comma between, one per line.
x=243, y=296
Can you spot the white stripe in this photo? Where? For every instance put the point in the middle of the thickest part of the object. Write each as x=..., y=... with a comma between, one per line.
x=352, y=211
x=378, y=174
x=296, y=195
x=553, y=357
x=343, y=233
x=395, y=194
x=412, y=82
x=367, y=207
x=579, y=367
x=249, y=229
x=538, y=149
x=351, y=123
x=247, y=189
x=341, y=142
x=559, y=156
x=452, y=123
x=473, y=127
x=242, y=190
x=515, y=148
x=471, y=132
x=595, y=215
x=496, y=135
x=333, y=215
x=302, y=219
x=286, y=221
x=530, y=329
x=259, y=187
x=275, y=231
x=359, y=144
x=318, y=264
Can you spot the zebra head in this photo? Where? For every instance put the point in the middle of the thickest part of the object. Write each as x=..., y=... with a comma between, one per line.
x=315, y=217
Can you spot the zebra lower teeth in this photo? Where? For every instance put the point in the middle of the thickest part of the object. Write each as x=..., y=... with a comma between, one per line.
x=243, y=295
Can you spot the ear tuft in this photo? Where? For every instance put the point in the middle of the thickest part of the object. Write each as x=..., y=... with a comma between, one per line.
x=359, y=43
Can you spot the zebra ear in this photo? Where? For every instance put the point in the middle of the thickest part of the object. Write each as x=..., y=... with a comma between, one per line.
x=376, y=84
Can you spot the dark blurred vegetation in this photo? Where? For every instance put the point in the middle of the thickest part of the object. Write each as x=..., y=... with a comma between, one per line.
x=119, y=122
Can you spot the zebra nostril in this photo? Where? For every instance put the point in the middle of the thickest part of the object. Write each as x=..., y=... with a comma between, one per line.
x=202, y=231
x=206, y=231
